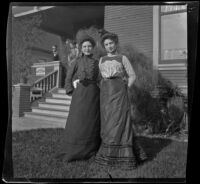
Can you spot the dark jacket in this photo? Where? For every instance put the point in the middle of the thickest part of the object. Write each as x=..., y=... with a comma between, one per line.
x=83, y=68
x=56, y=57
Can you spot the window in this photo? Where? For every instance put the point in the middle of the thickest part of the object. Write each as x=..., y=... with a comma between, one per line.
x=173, y=34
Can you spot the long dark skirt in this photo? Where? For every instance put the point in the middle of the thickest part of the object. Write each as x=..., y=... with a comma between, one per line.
x=81, y=138
x=119, y=144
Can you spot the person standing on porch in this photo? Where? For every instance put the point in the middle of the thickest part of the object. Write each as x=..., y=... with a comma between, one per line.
x=119, y=145
x=81, y=138
x=55, y=53
x=73, y=51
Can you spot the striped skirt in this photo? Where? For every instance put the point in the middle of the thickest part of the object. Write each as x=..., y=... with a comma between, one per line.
x=120, y=146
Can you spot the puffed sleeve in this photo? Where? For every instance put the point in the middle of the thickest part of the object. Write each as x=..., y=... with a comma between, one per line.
x=128, y=67
x=70, y=74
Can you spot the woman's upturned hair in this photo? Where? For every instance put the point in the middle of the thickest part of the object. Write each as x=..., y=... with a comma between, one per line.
x=111, y=36
x=86, y=38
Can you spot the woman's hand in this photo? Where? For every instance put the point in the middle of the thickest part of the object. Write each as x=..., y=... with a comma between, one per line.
x=131, y=80
x=75, y=83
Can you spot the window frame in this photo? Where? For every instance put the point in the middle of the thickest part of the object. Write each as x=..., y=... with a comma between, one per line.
x=169, y=61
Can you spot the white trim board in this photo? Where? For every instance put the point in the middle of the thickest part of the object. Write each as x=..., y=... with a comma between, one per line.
x=155, y=35
x=34, y=10
x=43, y=64
x=178, y=66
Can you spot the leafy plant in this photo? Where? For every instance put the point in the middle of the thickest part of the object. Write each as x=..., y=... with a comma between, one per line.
x=162, y=114
x=25, y=34
x=145, y=74
x=147, y=111
x=175, y=109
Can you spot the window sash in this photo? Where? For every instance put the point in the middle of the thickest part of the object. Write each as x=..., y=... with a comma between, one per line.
x=163, y=13
x=171, y=9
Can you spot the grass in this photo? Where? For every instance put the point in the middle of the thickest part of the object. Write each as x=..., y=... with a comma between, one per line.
x=33, y=153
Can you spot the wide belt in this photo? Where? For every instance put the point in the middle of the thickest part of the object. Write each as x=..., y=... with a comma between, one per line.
x=112, y=77
x=88, y=81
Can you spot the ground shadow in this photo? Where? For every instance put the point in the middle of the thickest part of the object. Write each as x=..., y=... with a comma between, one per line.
x=152, y=146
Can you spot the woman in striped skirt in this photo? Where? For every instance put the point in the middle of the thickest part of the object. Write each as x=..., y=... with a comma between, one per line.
x=119, y=145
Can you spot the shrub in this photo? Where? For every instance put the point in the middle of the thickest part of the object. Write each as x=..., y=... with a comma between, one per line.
x=146, y=75
x=25, y=33
x=143, y=105
x=162, y=114
x=173, y=100
x=175, y=107
x=168, y=90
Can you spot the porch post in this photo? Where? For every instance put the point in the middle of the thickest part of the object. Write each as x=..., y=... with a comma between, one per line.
x=21, y=99
x=58, y=67
x=155, y=36
x=48, y=68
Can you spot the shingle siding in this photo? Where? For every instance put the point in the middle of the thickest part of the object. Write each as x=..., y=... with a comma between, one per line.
x=133, y=24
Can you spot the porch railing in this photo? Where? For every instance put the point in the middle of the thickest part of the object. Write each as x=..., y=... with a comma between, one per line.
x=47, y=83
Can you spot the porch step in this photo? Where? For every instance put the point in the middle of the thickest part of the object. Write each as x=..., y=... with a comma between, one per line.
x=61, y=91
x=48, y=117
x=60, y=95
x=58, y=100
x=54, y=106
x=50, y=111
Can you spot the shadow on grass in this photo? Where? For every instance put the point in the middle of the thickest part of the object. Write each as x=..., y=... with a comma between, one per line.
x=152, y=146
x=33, y=153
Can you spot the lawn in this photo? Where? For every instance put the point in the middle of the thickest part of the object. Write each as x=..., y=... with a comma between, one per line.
x=33, y=153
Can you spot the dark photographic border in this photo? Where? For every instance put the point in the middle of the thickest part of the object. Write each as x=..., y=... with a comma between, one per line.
x=193, y=11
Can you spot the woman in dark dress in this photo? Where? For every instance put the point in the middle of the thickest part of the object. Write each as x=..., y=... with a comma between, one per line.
x=81, y=138
x=119, y=144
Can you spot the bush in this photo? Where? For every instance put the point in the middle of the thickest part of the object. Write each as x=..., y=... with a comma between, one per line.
x=174, y=103
x=168, y=90
x=175, y=107
x=146, y=75
x=146, y=111
x=162, y=114
x=25, y=33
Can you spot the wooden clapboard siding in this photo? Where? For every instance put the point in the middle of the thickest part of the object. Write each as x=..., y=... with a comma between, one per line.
x=133, y=24
x=178, y=77
x=173, y=61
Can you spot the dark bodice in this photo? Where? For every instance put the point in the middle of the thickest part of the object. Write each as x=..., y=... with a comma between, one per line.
x=83, y=68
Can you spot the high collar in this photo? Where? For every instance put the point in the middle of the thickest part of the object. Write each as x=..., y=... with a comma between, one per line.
x=112, y=54
x=87, y=56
